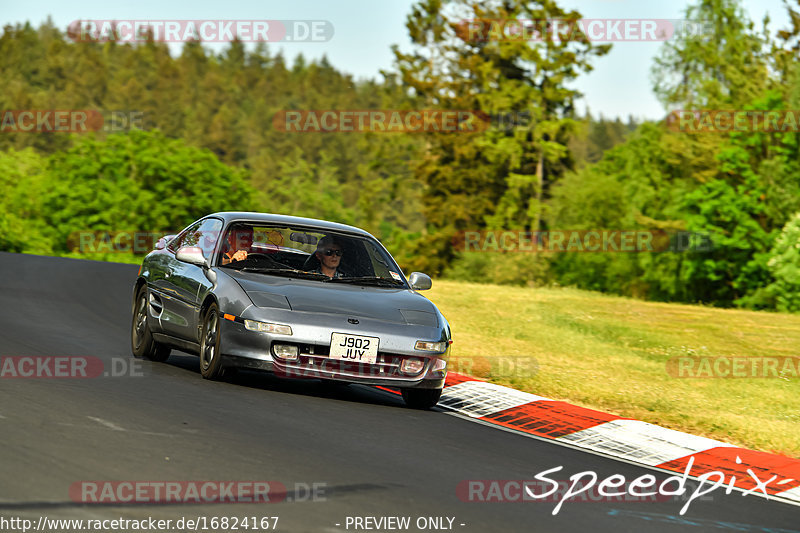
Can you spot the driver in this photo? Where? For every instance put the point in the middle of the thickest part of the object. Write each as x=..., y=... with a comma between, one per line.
x=237, y=244
x=329, y=253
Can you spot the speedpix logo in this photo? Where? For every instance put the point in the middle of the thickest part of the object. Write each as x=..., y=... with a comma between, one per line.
x=588, y=486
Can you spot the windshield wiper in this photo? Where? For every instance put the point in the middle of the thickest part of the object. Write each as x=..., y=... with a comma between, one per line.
x=292, y=272
x=370, y=280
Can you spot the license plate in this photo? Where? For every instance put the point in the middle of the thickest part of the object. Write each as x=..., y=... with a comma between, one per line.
x=355, y=348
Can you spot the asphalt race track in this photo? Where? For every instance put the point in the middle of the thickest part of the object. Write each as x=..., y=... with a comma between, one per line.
x=368, y=454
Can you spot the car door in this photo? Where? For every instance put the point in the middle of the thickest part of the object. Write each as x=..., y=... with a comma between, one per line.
x=183, y=283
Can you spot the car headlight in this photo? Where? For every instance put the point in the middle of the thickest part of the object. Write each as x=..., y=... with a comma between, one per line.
x=266, y=327
x=427, y=346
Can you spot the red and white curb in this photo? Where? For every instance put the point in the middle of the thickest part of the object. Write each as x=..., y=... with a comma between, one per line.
x=627, y=439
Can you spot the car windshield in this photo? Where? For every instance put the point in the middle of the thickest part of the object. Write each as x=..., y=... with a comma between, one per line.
x=308, y=253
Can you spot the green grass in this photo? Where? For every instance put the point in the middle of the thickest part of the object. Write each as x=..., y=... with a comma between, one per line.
x=610, y=353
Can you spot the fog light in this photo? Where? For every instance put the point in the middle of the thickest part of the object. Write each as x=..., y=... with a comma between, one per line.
x=439, y=365
x=426, y=346
x=266, y=327
x=285, y=351
x=412, y=366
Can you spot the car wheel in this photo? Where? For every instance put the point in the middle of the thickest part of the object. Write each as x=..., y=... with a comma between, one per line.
x=142, y=343
x=421, y=398
x=210, y=359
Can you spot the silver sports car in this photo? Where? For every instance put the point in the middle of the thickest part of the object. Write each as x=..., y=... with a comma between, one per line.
x=299, y=297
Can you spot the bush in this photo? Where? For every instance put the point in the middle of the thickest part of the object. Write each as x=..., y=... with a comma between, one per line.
x=522, y=269
x=783, y=263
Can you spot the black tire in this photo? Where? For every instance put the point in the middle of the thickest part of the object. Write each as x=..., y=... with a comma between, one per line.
x=142, y=343
x=210, y=358
x=421, y=398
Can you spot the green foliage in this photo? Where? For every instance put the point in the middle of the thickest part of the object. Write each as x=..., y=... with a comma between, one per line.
x=523, y=269
x=137, y=182
x=498, y=178
x=306, y=189
x=140, y=182
x=735, y=187
x=210, y=143
x=724, y=65
x=224, y=103
x=22, y=183
x=783, y=263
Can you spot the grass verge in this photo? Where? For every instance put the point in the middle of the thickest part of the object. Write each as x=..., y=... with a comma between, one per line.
x=610, y=353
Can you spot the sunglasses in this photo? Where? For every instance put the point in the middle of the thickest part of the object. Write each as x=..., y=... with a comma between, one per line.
x=332, y=252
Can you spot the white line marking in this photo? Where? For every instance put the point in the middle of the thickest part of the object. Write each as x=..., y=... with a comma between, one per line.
x=792, y=494
x=480, y=398
x=115, y=427
x=106, y=423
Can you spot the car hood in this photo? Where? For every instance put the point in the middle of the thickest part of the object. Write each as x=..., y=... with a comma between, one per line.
x=387, y=304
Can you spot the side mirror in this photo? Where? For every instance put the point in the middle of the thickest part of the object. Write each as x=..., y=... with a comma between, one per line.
x=163, y=241
x=420, y=281
x=192, y=255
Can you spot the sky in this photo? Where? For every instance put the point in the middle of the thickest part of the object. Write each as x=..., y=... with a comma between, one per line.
x=364, y=30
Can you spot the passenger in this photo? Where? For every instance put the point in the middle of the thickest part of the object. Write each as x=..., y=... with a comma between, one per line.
x=329, y=253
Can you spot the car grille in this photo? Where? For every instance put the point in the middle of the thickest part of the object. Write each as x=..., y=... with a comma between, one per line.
x=313, y=361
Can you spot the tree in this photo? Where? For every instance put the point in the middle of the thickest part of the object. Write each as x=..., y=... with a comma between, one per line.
x=723, y=66
x=499, y=178
x=140, y=181
x=783, y=262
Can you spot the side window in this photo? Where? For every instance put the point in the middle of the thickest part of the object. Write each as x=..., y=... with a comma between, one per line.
x=181, y=240
x=203, y=234
x=209, y=233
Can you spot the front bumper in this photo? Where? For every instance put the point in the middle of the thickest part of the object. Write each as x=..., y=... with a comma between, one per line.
x=247, y=349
